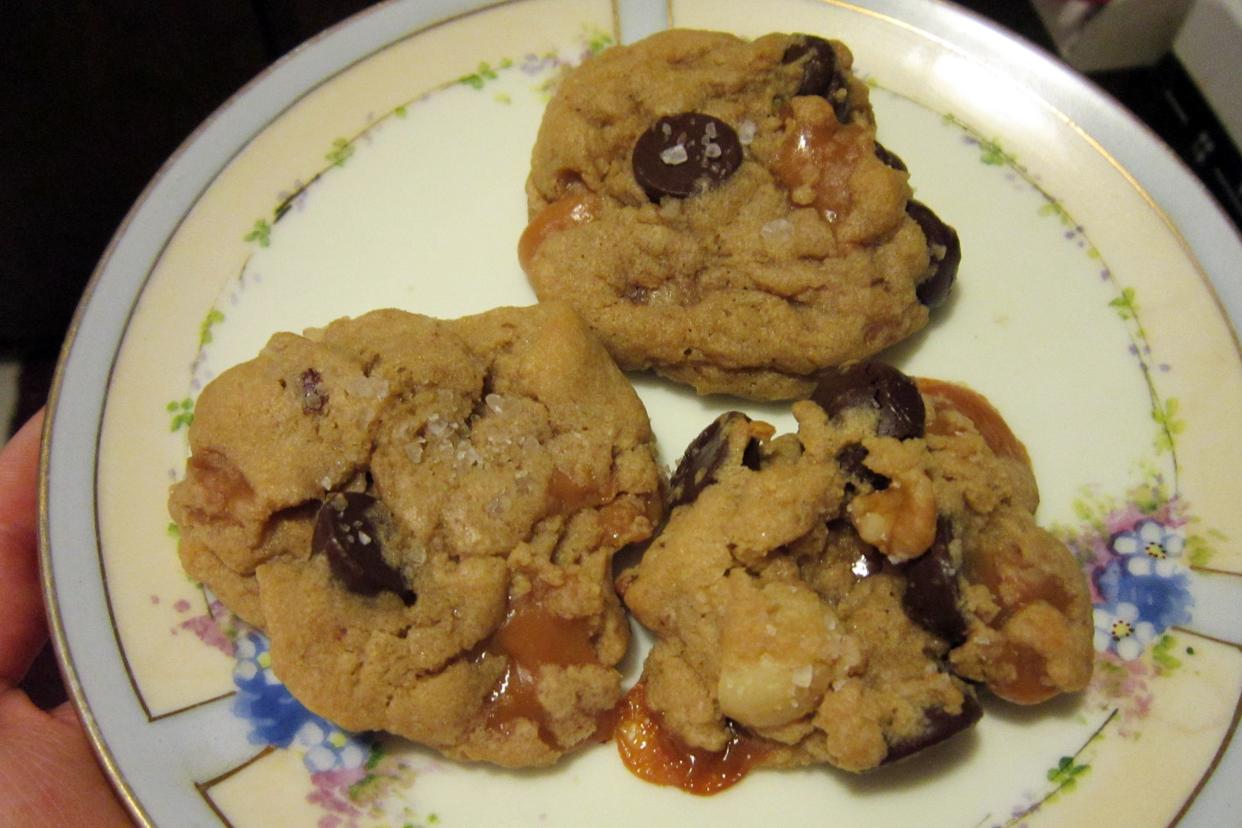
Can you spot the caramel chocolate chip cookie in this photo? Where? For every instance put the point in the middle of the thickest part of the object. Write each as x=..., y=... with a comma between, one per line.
x=719, y=211
x=836, y=595
x=421, y=514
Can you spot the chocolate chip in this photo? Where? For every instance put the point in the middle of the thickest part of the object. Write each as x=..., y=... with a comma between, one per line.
x=876, y=387
x=821, y=73
x=940, y=726
x=889, y=158
x=346, y=531
x=751, y=456
x=945, y=250
x=314, y=395
x=850, y=458
x=682, y=155
x=931, y=596
x=703, y=458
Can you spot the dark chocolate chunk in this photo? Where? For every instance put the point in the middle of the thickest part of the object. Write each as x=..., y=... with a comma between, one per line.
x=751, y=455
x=821, y=73
x=314, y=395
x=878, y=387
x=851, y=458
x=940, y=726
x=682, y=155
x=703, y=458
x=889, y=158
x=346, y=531
x=931, y=596
x=945, y=250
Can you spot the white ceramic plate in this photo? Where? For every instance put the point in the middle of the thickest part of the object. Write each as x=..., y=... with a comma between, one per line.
x=383, y=164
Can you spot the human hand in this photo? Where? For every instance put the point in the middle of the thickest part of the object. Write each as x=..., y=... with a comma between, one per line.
x=48, y=774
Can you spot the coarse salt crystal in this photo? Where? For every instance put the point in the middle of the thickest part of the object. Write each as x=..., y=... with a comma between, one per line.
x=746, y=132
x=710, y=130
x=674, y=155
x=712, y=151
x=777, y=229
x=494, y=402
x=802, y=676
x=414, y=451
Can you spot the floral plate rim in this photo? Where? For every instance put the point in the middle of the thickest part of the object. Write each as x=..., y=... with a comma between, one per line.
x=1168, y=187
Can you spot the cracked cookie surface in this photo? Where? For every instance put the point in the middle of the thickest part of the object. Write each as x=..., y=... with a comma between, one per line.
x=421, y=514
x=719, y=211
x=835, y=595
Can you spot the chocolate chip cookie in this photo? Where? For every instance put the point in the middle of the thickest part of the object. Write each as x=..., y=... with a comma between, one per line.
x=421, y=514
x=719, y=211
x=836, y=595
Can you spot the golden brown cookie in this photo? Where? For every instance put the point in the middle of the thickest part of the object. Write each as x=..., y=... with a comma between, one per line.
x=831, y=596
x=422, y=514
x=719, y=211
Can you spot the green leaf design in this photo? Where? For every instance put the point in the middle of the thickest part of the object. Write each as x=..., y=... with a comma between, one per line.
x=990, y=153
x=377, y=753
x=1125, y=304
x=213, y=318
x=1055, y=208
x=342, y=150
x=1162, y=654
x=1170, y=424
x=1199, y=550
x=478, y=78
x=182, y=415
x=598, y=41
x=261, y=233
x=1067, y=772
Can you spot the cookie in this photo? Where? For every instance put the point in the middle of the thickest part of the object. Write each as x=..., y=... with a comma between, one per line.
x=422, y=514
x=836, y=595
x=719, y=211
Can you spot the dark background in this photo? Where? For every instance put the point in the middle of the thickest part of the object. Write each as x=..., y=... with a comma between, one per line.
x=96, y=95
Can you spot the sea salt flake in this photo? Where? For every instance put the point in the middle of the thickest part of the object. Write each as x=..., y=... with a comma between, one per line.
x=674, y=155
x=746, y=132
x=777, y=229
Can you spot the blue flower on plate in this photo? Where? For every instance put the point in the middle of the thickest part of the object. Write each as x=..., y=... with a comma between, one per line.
x=1150, y=548
x=1162, y=601
x=1119, y=630
x=277, y=718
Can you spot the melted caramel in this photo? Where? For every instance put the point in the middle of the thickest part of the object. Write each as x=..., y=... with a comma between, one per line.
x=1026, y=682
x=225, y=489
x=974, y=407
x=1014, y=585
x=1022, y=674
x=530, y=637
x=577, y=207
x=619, y=524
x=654, y=754
x=567, y=495
x=820, y=153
